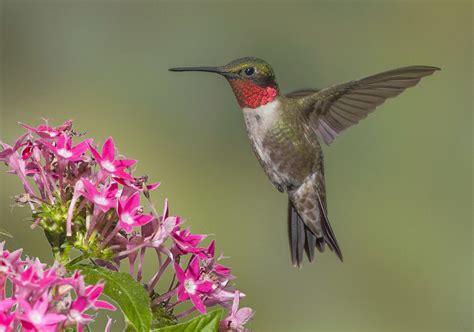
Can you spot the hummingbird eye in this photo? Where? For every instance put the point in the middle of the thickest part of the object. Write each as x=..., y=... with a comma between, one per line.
x=249, y=71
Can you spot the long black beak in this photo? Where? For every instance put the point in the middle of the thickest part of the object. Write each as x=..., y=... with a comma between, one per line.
x=217, y=70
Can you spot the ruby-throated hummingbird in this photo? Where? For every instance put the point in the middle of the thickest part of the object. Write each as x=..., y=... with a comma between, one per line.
x=285, y=130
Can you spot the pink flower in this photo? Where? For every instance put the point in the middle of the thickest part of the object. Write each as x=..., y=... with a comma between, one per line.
x=41, y=298
x=6, y=318
x=99, y=196
x=186, y=242
x=10, y=156
x=191, y=286
x=237, y=317
x=32, y=278
x=77, y=313
x=139, y=184
x=107, y=161
x=37, y=317
x=46, y=131
x=92, y=294
x=104, y=199
x=87, y=298
x=213, y=266
x=6, y=322
x=128, y=211
x=65, y=150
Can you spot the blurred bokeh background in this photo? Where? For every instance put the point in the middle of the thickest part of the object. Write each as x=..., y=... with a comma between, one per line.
x=399, y=184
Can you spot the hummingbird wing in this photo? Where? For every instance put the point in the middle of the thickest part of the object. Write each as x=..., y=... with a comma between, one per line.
x=301, y=93
x=334, y=109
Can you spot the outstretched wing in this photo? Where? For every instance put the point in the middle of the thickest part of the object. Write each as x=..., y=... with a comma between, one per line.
x=334, y=109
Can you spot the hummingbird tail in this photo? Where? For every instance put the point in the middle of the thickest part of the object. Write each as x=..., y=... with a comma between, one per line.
x=308, y=223
x=301, y=238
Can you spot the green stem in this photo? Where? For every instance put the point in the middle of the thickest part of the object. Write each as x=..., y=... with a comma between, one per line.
x=76, y=260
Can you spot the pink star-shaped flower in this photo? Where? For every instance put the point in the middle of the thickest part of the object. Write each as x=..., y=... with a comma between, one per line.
x=237, y=317
x=191, y=286
x=46, y=131
x=105, y=199
x=37, y=317
x=109, y=164
x=64, y=149
x=128, y=211
x=186, y=242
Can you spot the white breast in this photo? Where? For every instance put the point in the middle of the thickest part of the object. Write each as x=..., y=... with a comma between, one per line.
x=258, y=121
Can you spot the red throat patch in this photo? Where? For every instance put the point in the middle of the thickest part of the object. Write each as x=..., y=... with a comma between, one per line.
x=251, y=95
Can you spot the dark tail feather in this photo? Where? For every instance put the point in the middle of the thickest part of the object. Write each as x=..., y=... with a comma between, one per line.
x=329, y=236
x=301, y=238
x=311, y=242
x=296, y=235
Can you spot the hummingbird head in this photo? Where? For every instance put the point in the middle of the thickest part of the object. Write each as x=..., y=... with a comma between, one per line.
x=251, y=79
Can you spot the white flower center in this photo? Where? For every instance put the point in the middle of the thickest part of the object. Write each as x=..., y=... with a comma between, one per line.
x=64, y=153
x=108, y=166
x=100, y=200
x=3, y=328
x=35, y=317
x=190, y=286
x=75, y=315
x=127, y=218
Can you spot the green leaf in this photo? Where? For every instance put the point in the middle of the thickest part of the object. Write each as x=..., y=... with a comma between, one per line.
x=203, y=323
x=127, y=293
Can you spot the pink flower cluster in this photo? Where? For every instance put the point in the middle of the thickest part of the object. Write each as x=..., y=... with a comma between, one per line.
x=43, y=298
x=88, y=199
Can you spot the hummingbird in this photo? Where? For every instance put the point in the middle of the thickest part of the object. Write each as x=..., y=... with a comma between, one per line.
x=286, y=131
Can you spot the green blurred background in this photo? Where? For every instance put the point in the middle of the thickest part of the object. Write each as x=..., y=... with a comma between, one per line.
x=399, y=184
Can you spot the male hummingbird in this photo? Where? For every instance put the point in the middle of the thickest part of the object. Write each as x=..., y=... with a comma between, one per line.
x=285, y=132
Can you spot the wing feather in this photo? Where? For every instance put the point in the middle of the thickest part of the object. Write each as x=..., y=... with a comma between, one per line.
x=341, y=106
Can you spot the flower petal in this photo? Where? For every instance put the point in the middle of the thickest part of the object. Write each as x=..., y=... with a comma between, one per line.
x=108, y=150
x=124, y=163
x=95, y=153
x=143, y=219
x=179, y=273
x=104, y=305
x=132, y=203
x=197, y=302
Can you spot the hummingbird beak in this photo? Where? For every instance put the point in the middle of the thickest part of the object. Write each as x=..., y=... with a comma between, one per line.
x=217, y=70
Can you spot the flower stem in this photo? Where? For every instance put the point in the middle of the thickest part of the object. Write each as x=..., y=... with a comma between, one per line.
x=76, y=260
x=157, y=276
x=185, y=312
x=165, y=296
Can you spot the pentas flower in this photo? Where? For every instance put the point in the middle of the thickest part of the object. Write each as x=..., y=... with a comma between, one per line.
x=43, y=299
x=45, y=131
x=105, y=199
x=129, y=213
x=89, y=202
x=10, y=156
x=109, y=164
x=211, y=263
x=186, y=242
x=77, y=313
x=37, y=317
x=191, y=286
x=138, y=184
x=87, y=299
x=6, y=317
x=33, y=277
x=92, y=294
x=65, y=150
x=237, y=317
